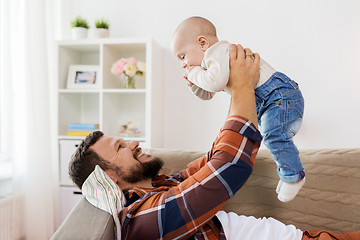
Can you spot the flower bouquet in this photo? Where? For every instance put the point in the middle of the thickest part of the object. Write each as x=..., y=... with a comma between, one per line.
x=128, y=67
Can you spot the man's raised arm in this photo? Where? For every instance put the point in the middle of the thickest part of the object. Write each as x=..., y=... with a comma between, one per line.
x=244, y=74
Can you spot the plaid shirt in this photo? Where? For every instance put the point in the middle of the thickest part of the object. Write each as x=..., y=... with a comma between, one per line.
x=183, y=205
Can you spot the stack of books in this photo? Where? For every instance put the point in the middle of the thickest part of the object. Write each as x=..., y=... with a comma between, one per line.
x=81, y=129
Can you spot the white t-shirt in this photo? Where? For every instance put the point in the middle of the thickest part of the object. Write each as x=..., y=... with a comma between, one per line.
x=213, y=74
x=250, y=228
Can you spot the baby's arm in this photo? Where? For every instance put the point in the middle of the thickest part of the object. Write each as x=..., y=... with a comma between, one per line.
x=201, y=93
x=213, y=74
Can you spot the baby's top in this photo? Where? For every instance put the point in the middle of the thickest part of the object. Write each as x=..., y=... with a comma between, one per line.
x=213, y=74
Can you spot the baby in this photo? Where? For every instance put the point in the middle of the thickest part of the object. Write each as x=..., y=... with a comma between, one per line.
x=279, y=102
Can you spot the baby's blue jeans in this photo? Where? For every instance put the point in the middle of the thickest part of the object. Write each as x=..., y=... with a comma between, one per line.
x=280, y=108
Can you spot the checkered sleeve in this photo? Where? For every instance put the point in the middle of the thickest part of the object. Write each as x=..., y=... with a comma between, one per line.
x=236, y=124
x=213, y=179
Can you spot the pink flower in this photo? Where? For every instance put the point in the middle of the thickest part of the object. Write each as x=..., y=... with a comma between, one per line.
x=132, y=61
x=118, y=67
x=122, y=61
x=130, y=67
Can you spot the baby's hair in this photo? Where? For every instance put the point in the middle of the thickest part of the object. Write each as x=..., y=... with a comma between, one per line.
x=199, y=26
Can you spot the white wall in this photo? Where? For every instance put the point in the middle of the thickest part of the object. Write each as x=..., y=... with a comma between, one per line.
x=316, y=42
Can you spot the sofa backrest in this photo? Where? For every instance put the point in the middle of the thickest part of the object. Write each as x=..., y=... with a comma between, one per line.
x=86, y=222
x=330, y=198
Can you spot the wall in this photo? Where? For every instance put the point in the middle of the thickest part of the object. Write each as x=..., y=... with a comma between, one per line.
x=317, y=43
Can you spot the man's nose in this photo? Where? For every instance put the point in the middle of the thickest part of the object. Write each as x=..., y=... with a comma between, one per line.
x=133, y=145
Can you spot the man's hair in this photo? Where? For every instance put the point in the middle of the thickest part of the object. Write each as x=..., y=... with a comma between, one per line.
x=84, y=160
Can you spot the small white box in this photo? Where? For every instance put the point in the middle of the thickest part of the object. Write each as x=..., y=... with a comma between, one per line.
x=67, y=148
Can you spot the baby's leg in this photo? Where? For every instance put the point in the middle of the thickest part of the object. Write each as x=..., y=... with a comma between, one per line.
x=280, y=107
x=278, y=139
x=289, y=167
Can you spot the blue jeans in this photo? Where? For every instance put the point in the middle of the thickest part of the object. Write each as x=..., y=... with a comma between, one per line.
x=280, y=108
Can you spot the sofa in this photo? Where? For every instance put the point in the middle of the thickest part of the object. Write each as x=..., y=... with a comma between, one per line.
x=330, y=198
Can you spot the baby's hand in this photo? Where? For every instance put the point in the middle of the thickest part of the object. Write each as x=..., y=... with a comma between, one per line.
x=190, y=84
x=185, y=75
x=188, y=69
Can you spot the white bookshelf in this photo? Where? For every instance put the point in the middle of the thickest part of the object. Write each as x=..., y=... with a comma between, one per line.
x=109, y=105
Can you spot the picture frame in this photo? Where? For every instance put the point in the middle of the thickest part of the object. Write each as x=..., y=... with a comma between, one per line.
x=83, y=76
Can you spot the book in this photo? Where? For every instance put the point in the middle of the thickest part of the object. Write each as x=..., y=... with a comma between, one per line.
x=79, y=133
x=81, y=130
x=83, y=126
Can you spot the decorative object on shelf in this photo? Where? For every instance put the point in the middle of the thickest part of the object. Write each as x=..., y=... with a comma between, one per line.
x=127, y=130
x=129, y=82
x=102, y=29
x=79, y=28
x=128, y=67
x=81, y=129
x=83, y=76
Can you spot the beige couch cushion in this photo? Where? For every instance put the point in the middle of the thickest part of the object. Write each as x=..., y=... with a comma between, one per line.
x=330, y=198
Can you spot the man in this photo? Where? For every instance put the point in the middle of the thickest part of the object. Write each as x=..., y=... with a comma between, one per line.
x=185, y=205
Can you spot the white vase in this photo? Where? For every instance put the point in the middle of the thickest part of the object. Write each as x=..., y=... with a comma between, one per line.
x=79, y=32
x=101, y=33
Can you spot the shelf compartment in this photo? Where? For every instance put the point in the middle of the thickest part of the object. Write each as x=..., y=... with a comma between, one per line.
x=118, y=109
x=76, y=55
x=78, y=108
x=112, y=53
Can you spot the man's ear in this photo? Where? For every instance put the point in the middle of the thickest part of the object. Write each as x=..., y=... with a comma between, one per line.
x=203, y=42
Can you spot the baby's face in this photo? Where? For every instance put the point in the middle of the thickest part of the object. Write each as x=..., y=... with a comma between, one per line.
x=187, y=51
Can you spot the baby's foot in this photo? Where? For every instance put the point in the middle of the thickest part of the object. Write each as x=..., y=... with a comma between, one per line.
x=288, y=191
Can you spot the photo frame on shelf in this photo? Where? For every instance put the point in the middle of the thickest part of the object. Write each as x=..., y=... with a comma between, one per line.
x=83, y=76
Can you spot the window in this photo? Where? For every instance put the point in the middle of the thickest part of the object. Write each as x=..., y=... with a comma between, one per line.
x=5, y=164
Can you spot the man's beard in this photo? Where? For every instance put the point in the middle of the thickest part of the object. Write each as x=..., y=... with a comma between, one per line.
x=146, y=170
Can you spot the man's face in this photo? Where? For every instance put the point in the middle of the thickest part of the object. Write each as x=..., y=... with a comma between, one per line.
x=127, y=159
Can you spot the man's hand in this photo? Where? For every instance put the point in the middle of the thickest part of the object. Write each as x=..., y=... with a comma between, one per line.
x=244, y=68
x=244, y=74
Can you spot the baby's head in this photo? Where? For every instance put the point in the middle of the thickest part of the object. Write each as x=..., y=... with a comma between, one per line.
x=191, y=39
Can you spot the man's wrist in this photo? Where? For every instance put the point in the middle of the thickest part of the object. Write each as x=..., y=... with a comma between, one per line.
x=243, y=104
x=239, y=92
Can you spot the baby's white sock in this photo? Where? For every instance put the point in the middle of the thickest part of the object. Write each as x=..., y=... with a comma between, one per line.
x=279, y=186
x=288, y=191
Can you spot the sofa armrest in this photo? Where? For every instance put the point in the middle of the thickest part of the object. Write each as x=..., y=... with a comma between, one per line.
x=86, y=222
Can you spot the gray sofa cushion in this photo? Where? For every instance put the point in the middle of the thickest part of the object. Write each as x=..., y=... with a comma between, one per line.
x=86, y=222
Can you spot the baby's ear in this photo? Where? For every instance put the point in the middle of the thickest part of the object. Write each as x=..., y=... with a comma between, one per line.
x=203, y=42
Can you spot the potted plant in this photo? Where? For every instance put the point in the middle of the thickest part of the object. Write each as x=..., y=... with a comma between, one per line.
x=102, y=29
x=79, y=28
